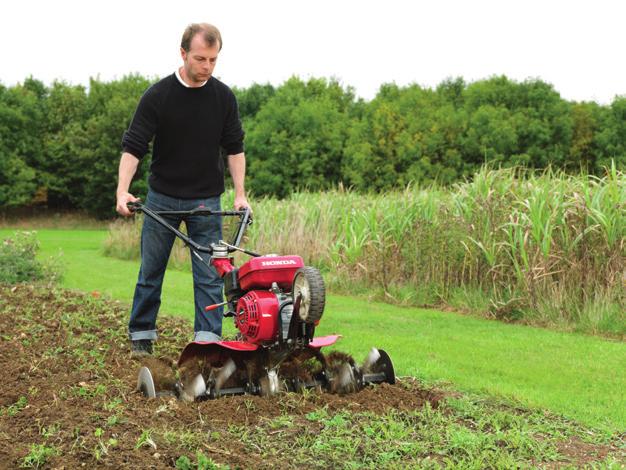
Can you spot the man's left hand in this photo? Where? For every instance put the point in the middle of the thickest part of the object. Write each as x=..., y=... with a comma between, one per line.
x=241, y=203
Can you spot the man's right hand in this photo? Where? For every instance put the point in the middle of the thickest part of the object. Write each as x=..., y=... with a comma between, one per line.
x=122, y=200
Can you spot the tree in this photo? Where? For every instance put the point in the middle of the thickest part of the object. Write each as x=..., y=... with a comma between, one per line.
x=610, y=139
x=585, y=123
x=250, y=100
x=61, y=144
x=66, y=114
x=406, y=135
x=534, y=128
x=296, y=139
x=98, y=144
x=20, y=142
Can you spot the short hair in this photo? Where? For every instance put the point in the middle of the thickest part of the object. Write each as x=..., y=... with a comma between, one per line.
x=210, y=34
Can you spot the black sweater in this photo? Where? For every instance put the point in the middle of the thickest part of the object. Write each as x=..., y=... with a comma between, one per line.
x=189, y=125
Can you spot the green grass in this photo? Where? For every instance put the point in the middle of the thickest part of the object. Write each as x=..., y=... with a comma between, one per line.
x=464, y=434
x=579, y=376
x=86, y=269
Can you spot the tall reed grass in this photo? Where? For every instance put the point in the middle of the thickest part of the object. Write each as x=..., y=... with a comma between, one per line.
x=544, y=248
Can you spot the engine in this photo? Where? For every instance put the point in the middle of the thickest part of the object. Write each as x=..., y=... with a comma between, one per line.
x=261, y=315
x=257, y=316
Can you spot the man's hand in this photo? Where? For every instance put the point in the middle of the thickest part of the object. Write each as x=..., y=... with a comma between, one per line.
x=237, y=167
x=241, y=203
x=124, y=198
x=128, y=167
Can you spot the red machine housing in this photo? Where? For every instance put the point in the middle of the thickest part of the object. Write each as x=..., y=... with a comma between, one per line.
x=257, y=316
x=262, y=271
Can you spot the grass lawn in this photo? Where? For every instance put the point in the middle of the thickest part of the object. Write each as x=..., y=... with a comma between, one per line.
x=581, y=377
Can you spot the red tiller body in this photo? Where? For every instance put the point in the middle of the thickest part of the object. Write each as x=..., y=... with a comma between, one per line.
x=262, y=271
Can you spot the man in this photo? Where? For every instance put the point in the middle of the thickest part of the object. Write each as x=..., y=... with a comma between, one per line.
x=190, y=115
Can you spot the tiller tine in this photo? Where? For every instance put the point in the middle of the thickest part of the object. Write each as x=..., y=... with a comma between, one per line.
x=224, y=374
x=370, y=360
x=194, y=389
x=348, y=377
x=146, y=385
x=213, y=370
x=378, y=368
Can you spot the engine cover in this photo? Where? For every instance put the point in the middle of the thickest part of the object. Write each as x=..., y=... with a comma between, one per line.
x=262, y=271
x=257, y=316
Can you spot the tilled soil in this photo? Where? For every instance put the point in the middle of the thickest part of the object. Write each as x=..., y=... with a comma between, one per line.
x=68, y=400
x=68, y=385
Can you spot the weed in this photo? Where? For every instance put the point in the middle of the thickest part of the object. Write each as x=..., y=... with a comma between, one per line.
x=250, y=406
x=338, y=421
x=317, y=415
x=102, y=448
x=183, y=463
x=50, y=431
x=145, y=440
x=113, y=404
x=38, y=456
x=206, y=463
x=86, y=391
x=187, y=439
x=282, y=421
x=53, y=352
x=202, y=463
x=16, y=407
x=113, y=420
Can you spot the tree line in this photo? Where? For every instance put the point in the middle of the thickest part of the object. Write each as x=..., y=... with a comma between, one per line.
x=60, y=144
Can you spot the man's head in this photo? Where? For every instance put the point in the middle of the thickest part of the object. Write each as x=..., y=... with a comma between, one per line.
x=199, y=48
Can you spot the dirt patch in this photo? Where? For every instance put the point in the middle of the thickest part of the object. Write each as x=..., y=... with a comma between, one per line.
x=67, y=394
x=68, y=400
x=581, y=453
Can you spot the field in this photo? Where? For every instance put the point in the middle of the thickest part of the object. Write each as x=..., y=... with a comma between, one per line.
x=475, y=355
x=67, y=400
x=472, y=393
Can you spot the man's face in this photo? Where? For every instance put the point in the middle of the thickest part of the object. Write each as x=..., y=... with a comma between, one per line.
x=200, y=61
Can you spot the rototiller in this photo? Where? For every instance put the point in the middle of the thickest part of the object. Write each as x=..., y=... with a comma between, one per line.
x=275, y=302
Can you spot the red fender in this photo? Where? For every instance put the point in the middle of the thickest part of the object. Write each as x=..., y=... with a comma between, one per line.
x=218, y=352
x=215, y=352
x=322, y=341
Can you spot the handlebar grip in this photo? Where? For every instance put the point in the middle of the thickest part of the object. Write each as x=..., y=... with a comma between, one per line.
x=133, y=206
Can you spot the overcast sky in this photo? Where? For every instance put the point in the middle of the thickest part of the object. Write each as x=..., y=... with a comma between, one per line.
x=578, y=46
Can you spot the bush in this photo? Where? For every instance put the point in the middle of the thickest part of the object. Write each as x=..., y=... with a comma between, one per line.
x=18, y=261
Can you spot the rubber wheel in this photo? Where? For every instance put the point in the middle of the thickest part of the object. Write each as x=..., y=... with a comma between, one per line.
x=309, y=284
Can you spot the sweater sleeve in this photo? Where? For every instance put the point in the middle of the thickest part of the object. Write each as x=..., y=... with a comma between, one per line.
x=232, y=133
x=143, y=126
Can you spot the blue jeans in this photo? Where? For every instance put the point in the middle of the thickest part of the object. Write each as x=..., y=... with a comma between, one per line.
x=156, y=245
